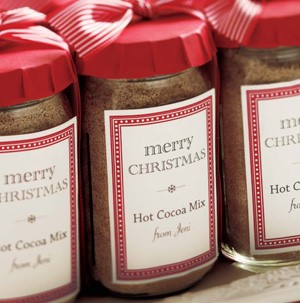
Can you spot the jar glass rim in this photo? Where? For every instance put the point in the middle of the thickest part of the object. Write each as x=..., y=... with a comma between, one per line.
x=281, y=53
x=25, y=104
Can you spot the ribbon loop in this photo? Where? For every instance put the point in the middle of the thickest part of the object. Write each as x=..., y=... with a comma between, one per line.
x=235, y=19
x=44, y=6
x=20, y=17
x=145, y=8
x=23, y=26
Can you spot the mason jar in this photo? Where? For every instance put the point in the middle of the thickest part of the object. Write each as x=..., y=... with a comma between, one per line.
x=39, y=208
x=149, y=165
x=260, y=101
x=149, y=144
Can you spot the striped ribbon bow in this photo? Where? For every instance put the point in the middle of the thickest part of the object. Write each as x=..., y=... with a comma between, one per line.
x=91, y=25
x=22, y=25
x=44, y=6
x=235, y=19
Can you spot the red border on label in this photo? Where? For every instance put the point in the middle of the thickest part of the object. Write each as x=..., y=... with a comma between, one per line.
x=116, y=124
x=253, y=98
x=69, y=134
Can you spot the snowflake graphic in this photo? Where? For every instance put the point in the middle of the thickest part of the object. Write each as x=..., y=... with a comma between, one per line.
x=171, y=188
x=31, y=219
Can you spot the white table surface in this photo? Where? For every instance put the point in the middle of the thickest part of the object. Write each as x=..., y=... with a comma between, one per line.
x=229, y=282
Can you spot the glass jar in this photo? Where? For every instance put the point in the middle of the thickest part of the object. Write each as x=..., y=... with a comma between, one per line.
x=149, y=227
x=148, y=144
x=260, y=110
x=38, y=201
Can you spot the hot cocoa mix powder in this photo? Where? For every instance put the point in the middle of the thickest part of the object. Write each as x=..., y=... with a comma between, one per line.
x=34, y=116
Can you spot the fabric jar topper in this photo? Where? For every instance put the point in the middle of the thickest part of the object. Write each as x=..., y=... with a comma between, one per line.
x=91, y=25
x=35, y=61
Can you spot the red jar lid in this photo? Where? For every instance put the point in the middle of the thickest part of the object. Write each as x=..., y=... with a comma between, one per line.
x=30, y=73
x=255, y=24
x=35, y=62
x=135, y=38
x=153, y=47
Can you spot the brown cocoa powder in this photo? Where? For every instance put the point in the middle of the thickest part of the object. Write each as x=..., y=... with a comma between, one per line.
x=241, y=68
x=99, y=95
x=34, y=116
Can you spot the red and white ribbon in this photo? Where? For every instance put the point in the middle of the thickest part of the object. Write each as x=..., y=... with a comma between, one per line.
x=235, y=19
x=22, y=25
x=91, y=25
x=38, y=5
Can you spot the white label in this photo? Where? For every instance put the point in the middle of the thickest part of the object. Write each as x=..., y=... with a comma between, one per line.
x=161, y=173
x=38, y=215
x=271, y=115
